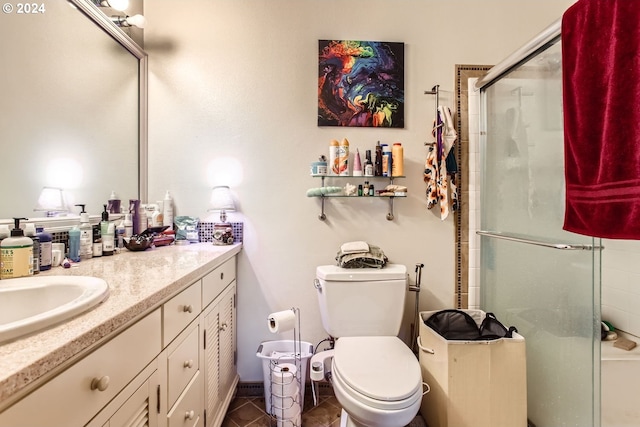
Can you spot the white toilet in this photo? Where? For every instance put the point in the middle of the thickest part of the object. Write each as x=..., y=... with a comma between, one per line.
x=375, y=376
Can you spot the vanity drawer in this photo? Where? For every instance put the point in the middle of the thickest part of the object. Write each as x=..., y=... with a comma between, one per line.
x=179, y=311
x=188, y=410
x=77, y=394
x=216, y=281
x=182, y=362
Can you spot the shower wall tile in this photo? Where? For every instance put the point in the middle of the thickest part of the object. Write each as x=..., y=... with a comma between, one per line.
x=621, y=284
x=474, y=196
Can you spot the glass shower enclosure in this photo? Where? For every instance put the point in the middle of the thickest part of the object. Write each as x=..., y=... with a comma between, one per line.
x=533, y=275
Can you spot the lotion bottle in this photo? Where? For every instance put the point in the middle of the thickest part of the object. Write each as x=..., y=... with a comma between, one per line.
x=167, y=211
x=107, y=232
x=86, y=235
x=30, y=232
x=45, y=248
x=16, y=254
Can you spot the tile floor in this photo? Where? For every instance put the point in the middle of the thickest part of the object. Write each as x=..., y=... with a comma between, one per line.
x=250, y=412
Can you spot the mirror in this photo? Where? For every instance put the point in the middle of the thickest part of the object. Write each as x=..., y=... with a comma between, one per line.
x=73, y=107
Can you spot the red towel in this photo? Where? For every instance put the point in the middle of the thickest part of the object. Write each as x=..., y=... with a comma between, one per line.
x=601, y=97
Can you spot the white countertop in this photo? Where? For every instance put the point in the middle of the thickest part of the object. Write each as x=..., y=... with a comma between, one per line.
x=138, y=283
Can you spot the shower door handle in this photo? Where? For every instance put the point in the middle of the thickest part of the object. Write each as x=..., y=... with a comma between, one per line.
x=561, y=246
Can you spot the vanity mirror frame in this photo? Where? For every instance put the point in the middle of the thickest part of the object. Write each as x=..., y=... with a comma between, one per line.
x=94, y=13
x=104, y=23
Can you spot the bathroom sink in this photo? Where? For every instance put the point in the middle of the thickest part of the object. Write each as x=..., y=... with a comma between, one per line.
x=30, y=304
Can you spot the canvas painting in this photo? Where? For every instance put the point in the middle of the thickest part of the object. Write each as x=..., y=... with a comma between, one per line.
x=360, y=83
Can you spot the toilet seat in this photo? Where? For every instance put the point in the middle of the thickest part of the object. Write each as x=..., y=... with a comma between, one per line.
x=380, y=372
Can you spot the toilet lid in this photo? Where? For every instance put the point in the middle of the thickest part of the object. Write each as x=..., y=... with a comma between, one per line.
x=381, y=368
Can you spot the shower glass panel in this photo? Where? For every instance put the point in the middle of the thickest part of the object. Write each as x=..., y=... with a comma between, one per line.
x=534, y=275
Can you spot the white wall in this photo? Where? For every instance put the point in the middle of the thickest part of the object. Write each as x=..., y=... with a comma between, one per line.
x=233, y=82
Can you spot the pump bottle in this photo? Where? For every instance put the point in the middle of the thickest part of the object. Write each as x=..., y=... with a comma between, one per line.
x=167, y=211
x=107, y=231
x=16, y=254
x=86, y=235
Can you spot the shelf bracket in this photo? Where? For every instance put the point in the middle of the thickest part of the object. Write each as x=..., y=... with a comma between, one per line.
x=322, y=216
x=390, y=214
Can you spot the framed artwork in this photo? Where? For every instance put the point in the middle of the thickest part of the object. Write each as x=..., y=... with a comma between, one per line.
x=360, y=83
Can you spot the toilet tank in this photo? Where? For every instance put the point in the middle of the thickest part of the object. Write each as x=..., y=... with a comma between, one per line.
x=361, y=301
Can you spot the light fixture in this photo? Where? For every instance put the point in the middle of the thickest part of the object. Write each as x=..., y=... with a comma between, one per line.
x=120, y=5
x=52, y=200
x=221, y=201
x=130, y=21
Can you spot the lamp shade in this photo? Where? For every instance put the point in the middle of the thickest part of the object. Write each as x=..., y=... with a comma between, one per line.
x=221, y=199
x=52, y=200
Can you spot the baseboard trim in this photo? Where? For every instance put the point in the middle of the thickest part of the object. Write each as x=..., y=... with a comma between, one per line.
x=256, y=389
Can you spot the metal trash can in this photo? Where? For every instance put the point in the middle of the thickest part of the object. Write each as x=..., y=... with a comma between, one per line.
x=277, y=358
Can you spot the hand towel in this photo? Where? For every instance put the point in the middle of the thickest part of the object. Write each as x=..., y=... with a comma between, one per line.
x=601, y=100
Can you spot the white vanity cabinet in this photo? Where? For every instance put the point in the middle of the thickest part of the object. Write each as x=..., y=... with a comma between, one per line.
x=175, y=367
x=76, y=395
x=219, y=340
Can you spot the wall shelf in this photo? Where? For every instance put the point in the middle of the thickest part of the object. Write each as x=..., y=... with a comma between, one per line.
x=389, y=179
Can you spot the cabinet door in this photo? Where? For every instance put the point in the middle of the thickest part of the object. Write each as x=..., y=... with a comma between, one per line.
x=210, y=361
x=140, y=410
x=226, y=340
x=219, y=353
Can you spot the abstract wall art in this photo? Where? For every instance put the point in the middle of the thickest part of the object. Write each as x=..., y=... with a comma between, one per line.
x=360, y=83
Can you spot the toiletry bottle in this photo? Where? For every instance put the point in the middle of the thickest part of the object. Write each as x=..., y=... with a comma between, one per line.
x=86, y=235
x=134, y=210
x=113, y=204
x=30, y=232
x=357, y=164
x=378, y=161
x=167, y=211
x=128, y=225
x=372, y=191
x=45, y=248
x=156, y=216
x=120, y=231
x=16, y=254
x=343, y=157
x=333, y=157
x=107, y=233
x=397, y=165
x=97, y=241
x=365, y=188
x=368, y=164
x=74, y=243
x=360, y=190
x=387, y=160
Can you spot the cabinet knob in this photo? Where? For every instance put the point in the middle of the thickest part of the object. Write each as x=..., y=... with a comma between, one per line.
x=223, y=326
x=189, y=415
x=222, y=275
x=188, y=308
x=100, y=384
x=188, y=363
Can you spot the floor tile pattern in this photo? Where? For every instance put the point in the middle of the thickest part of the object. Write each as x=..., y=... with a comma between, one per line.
x=250, y=412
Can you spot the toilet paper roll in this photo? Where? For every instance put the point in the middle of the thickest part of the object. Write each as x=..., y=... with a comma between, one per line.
x=290, y=414
x=286, y=391
x=281, y=321
x=284, y=374
x=294, y=421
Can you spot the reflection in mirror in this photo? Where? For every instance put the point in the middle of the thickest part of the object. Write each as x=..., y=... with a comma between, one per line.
x=69, y=110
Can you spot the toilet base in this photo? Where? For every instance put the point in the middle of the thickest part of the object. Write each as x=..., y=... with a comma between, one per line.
x=347, y=421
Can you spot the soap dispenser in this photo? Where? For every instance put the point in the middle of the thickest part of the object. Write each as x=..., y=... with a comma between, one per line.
x=86, y=234
x=107, y=231
x=16, y=254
